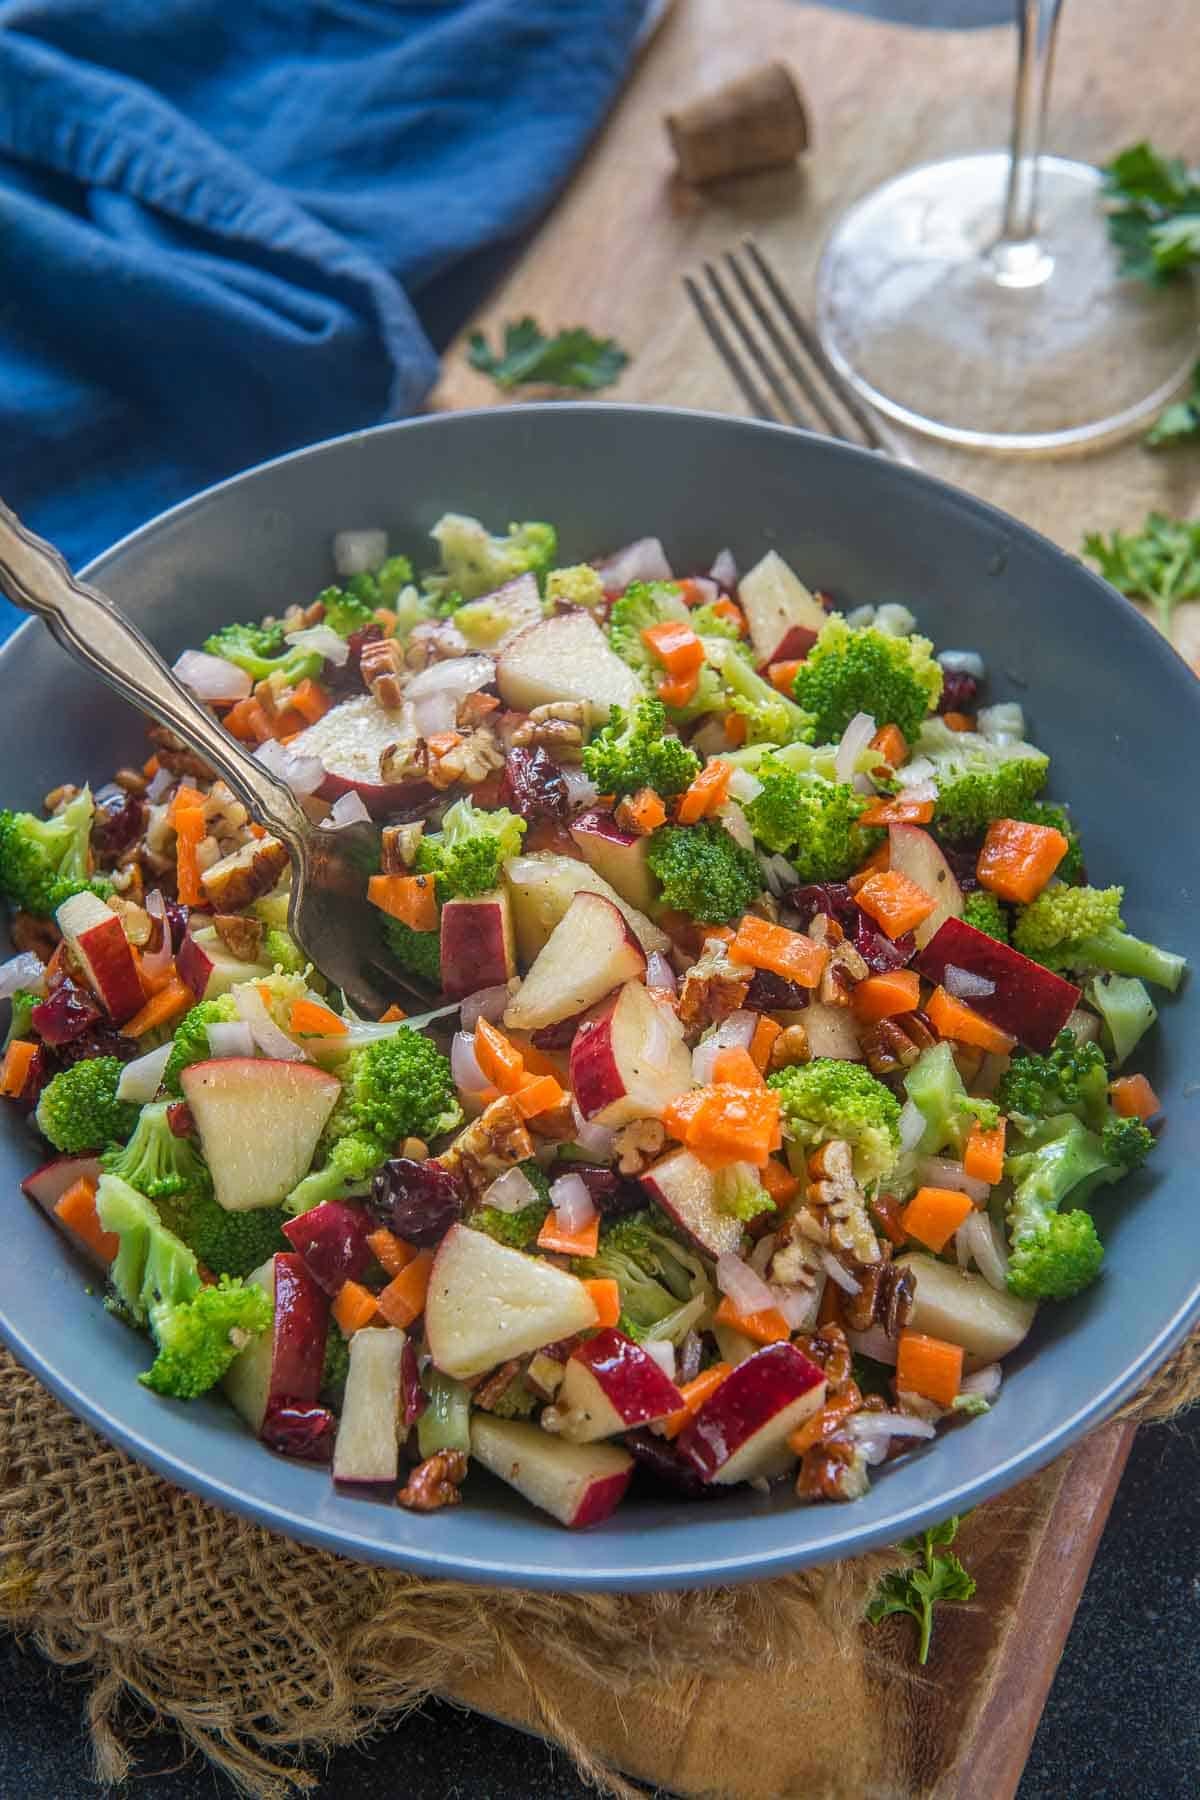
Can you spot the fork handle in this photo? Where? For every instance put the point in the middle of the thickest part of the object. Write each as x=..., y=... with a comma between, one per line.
x=88, y=626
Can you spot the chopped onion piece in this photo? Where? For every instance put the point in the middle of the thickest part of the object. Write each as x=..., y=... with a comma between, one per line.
x=940, y=1171
x=1085, y=1025
x=704, y=1057
x=894, y=619
x=486, y=1003
x=983, y=1243
x=572, y=1201
x=659, y=973
x=743, y=786
x=778, y=874
x=510, y=1192
x=915, y=793
x=357, y=552
x=140, y=1080
x=798, y=1305
x=985, y=1382
x=706, y=591
x=854, y=740
x=764, y=1249
x=469, y=1078
x=24, y=970
x=433, y=714
x=303, y=774
x=663, y=1353
x=643, y=560
x=263, y=1029
x=838, y=1275
x=230, y=1037
x=912, y=1125
x=162, y=781
x=962, y=662
x=748, y=1291
x=964, y=985
x=157, y=962
x=724, y=569
x=594, y=1140
x=875, y=1343
x=459, y=675
x=860, y=616
x=891, y=1424
x=323, y=641
x=211, y=678
x=737, y=1031
x=657, y=1043
x=731, y=816
x=919, y=769
x=580, y=791
x=347, y=809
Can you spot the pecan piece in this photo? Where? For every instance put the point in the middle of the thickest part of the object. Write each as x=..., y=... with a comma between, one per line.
x=435, y=1482
x=493, y=1142
x=241, y=936
x=493, y=1387
x=398, y=847
x=828, y=1347
x=472, y=759
x=894, y=1044
x=638, y=1143
x=832, y=1471
x=245, y=874
x=885, y=1296
x=841, y=973
x=790, y=1047
x=834, y=1190
x=712, y=988
x=177, y=757
x=434, y=641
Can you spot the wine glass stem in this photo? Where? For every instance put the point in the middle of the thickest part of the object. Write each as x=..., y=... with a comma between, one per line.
x=1017, y=258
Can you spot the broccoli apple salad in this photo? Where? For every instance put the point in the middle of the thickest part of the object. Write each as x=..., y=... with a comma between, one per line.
x=773, y=1056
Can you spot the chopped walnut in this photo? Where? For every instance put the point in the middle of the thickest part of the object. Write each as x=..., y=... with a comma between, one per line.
x=885, y=1296
x=59, y=797
x=833, y=1471
x=833, y=1190
x=712, y=988
x=638, y=1143
x=840, y=975
x=208, y=853
x=471, y=760
x=241, y=936
x=408, y=758
x=557, y=726
x=245, y=875
x=474, y=709
x=828, y=1348
x=177, y=757
x=435, y=1482
x=398, y=847
x=824, y=929
x=226, y=817
x=493, y=1387
x=434, y=641
x=28, y=932
x=556, y=1124
x=894, y=1044
x=493, y=1142
x=789, y=1048
x=796, y=1260
x=135, y=921
x=127, y=878
x=299, y=618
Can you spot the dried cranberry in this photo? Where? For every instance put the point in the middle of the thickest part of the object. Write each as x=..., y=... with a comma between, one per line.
x=612, y=1193
x=959, y=692
x=99, y=1040
x=534, y=786
x=559, y=1036
x=419, y=1201
x=299, y=1428
x=833, y=898
x=413, y=1398
x=180, y=1122
x=882, y=954
x=66, y=1015
x=774, y=993
x=663, y=1466
x=963, y=859
x=116, y=825
x=177, y=919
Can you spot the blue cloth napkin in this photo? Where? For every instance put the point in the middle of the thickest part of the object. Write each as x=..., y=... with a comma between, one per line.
x=215, y=216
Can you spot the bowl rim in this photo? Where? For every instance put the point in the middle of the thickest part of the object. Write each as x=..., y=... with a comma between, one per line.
x=841, y=1537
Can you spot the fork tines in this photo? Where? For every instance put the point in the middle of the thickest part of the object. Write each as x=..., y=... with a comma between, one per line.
x=772, y=352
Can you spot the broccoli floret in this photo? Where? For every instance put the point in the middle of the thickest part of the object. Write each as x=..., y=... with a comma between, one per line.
x=703, y=872
x=1072, y=1078
x=977, y=780
x=827, y=1098
x=79, y=1109
x=1057, y=818
x=1059, y=1259
x=740, y=1193
x=466, y=854
x=281, y=951
x=1126, y=1142
x=708, y=622
x=643, y=604
x=261, y=651
x=191, y=1038
x=665, y=1289
x=418, y=953
x=935, y=1087
x=1056, y=1255
x=635, y=750
x=895, y=679
x=516, y=1229
x=474, y=562
x=155, y=1161
x=813, y=822
x=578, y=585
x=345, y=612
x=44, y=861
x=985, y=913
x=1081, y=928
x=394, y=1088
x=393, y=574
x=20, y=1019
x=771, y=718
x=1127, y=1010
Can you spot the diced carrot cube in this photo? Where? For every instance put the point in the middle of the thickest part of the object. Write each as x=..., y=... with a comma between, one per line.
x=646, y=810
x=779, y=1182
x=584, y=1242
x=891, y=744
x=676, y=646
x=736, y=728
x=410, y=898
x=403, y=1299
x=894, y=901
x=390, y=1252
x=934, y=1214
x=983, y=1155
x=956, y=721
x=929, y=1366
x=500, y=1060
x=897, y=812
x=1017, y=859
x=19, y=1058
x=1133, y=1097
x=677, y=690
x=311, y=700
x=354, y=1307
x=393, y=1015
x=787, y=953
x=606, y=1298
x=883, y=996
x=706, y=793
x=170, y=1003
x=309, y=1018
x=695, y=1393
x=766, y=1327
x=952, y=1018
x=76, y=1211
x=539, y=1094
x=766, y=1031
x=782, y=675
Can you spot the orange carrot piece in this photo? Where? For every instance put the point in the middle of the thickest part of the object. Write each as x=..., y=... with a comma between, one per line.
x=393, y=1015
x=247, y=719
x=383, y=615
x=76, y=1210
x=150, y=767
x=183, y=798
x=1017, y=860
x=734, y=1125
x=390, y=1252
x=606, y=1298
x=676, y=646
x=498, y=1057
x=1133, y=1097
x=187, y=816
x=934, y=1214
x=787, y=953
x=735, y=1067
x=311, y=700
x=956, y=721
x=929, y=1366
x=779, y=1182
x=897, y=812
x=695, y=1393
x=355, y=1307
x=731, y=613
x=677, y=690
x=539, y=1094
x=442, y=742
x=678, y=1113
x=646, y=810
x=983, y=1154
x=953, y=1018
x=880, y=858
x=766, y=1327
x=782, y=675
x=310, y=1019
x=584, y=1242
x=765, y=1032
x=891, y=744
x=736, y=728
x=409, y=898
x=403, y=1299
x=894, y=901
x=14, y=1071
x=706, y=793
x=883, y=996
x=160, y=1009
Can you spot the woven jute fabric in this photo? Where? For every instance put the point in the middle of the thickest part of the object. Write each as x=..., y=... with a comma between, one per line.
x=264, y=1659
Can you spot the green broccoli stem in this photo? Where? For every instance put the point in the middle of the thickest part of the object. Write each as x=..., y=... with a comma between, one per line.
x=446, y=1422
x=1123, y=954
x=324, y=1184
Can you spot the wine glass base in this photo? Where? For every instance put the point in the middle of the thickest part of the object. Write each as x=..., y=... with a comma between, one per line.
x=1007, y=347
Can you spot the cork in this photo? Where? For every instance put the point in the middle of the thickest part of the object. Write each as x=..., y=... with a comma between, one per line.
x=757, y=121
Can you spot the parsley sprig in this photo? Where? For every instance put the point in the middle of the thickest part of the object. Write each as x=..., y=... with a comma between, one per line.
x=1178, y=423
x=936, y=1575
x=573, y=358
x=1160, y=563
x=1154, y=219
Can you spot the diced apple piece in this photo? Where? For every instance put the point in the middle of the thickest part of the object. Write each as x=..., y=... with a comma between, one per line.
x=47, y=1185
x=611, y=1385
x=285, y=1362
x=487, y=1303
x=831, y=1031
x=207, y=967
x=783, y=617
x=332, y=1239
x=494, y=618
x=543, y=885
x=478, y=949
x=965, y=1309
x=734, y=1346
x=620, y=856
x=590, y=952
x=914, y=853
x=630, y=1062
x=259, y=1120
x=95, y=938
x=348, y=741
x=566, y=657
x=741, y=1432
x=1031, y=1003
x=368, y=1437
x=577, y=1484
x=687, y=1193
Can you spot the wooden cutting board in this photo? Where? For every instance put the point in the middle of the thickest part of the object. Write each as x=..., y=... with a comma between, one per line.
x=611, y=255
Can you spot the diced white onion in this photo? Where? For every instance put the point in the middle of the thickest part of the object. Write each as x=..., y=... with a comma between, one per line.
x=798, y=1305
x=985, y=1382
x=572, y=1201
x=643, y=560
x=323, y=641
x=1001, y=724
x=657, y=1043
x=1085, y=1025
x=964, y=985
x=357, y=552
x=737, y=1031
x=140, y=1080
x=469, y=1078
x=707, y=591
x=962, y=662
x=486, y=1003
x=580, y=791
x=510, y=1192
x=838, y=1275
x=919, y=769
x=230, y=1037
x=211, y=677
x=890, y=1424
x=860, y=616
x=736, y=1279
x=266, y=1033
x=595, y=1141
x=459, y=675
x=434, y=714
x=661, y=1351
x=25, y=971
x=912, y=1125
x=303, y=774
x=659, y=973
x=157, y=962
x=743, y=786
x=854, y=740
x=704, y=1057
x=915, y=793
x=875, y=1343
x=895, y=619
x=778, y=874
x=940, y=1171
x=983, y=1243
x=347, y=809
x=724, y=569
x=162, y=781
x=764, y=1249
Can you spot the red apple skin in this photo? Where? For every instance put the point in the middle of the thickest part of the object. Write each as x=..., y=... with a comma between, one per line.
x=595, y=1078
x=632, y=1382
x=108, y=963
x=794, y=645
x=378, y=798
x=621, y=857
x=332, y=1239
x=47, y=1185
x=194, y=965
x=477, y=945
x=746, y=1401
x=301, y=1321
x=1031, y=1003
x=600, y=1499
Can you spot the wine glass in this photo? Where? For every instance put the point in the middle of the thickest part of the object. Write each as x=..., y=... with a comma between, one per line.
x=977, y=299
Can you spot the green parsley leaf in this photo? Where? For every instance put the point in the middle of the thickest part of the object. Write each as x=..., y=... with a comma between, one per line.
x=937, y=1575
x=573, y=358
x=1160, y=563
x=1154, y=221
x=1178, y=423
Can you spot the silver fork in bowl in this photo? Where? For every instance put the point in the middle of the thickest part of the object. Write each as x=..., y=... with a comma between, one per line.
x=328, y=916
x=773, y=353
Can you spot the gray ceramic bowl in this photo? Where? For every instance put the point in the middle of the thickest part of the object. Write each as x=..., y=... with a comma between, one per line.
x=1117, y=710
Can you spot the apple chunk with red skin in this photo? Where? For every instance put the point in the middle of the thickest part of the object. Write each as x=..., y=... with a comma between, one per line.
x=1031, y=1003
x=332, y=1239
x=590, y=952
x=566, y=657
x=206, y=966
x=95, y=938
x=687, y=1193
x=259, y=1120
x=285, y=1362
x=785, y=620
x=611, y=1384
x=47, y=1185
x=577, y=1484
x=544, y=884
x=487, y=1303
x=741, y=1431
x=349, y=741
x=367, y=1448
x=478, y=949
x=621, y=857
x=630, y=1062
x=914, y=853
